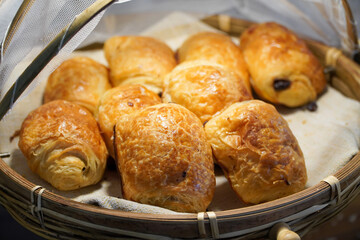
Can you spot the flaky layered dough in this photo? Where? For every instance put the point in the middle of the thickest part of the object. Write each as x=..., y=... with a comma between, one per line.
x=204, y=88
x=282, y=68
x=257, y=151
x=63, y=145
x=80, y=80
x=164, y=159
x=138, y=60
x=216, y=48
x=119, y=101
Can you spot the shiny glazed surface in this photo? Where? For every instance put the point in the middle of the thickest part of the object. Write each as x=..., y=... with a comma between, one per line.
x=80, y=80
x=62, y=144
x=273, y=53
x=164, y=158
x=257, y=151
x=120, y=101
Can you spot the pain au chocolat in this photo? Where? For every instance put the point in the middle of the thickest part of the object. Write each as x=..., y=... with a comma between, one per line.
x=63, y=145
x=282, y=68
x=215, y=48
x=118, y=101
x=257, y=151
x=164, y=159
x=204, y=88
x=80, y=80
x=138, y=60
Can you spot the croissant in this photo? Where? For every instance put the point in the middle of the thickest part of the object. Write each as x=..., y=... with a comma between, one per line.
x=164, y=159
x=62, y=144
x=138, y=60
x=282, y=68
x=257, y=151
x=119, y=101
x=80, y=80
x=204, y=88
x=215, y=48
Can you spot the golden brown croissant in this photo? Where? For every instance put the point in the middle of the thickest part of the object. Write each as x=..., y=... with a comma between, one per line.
x=204, y=88
x=257, y=151
x=215, y=48
x=119, y=101
x=138, y=60
x=80, y=80
x=164, y=159
x=63, y=145
x=282, y=68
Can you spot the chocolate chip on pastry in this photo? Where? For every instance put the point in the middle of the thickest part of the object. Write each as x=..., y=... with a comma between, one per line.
x=282, y=68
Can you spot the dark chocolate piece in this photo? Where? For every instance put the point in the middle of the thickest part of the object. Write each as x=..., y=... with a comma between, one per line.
x=281, y=84
x=312, y=106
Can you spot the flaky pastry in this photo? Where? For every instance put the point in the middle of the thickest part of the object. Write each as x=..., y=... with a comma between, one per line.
x=215, y=48
x=62, y=144
x=164, y=159
x=204, y=88
x=138, y=60
x=282, y=68
x=257, y=151
x=119, y=101
x=80, y=80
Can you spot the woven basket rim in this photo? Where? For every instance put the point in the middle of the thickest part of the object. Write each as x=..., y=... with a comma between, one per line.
x=345, y=175
x=242, y=223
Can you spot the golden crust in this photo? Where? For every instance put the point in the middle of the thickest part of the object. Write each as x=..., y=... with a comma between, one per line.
x=216, y=48
x=166, y=161
x=204, y=88
x=119, y=101
x=80, y=80
x=137, y=59
x=63, y=145
x=274, y=53
x=257, y=151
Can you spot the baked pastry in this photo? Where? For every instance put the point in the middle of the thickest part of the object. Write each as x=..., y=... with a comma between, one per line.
x=119, y=101
x=62, y=144
x=257, y=151
x=204, y=88
x=164, y=159
x=80, y=80
x=215, y=48
x=138, y=60
x=282, y=68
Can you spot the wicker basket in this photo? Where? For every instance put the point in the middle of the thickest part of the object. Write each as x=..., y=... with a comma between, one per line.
x=55, y=217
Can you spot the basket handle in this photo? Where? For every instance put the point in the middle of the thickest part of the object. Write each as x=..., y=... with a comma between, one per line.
x=351, y=31
x=282, y=231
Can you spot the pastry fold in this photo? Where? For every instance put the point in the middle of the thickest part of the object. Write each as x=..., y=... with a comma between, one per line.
x=164, y=159
x=257, y=151
x=63, y=145
x=282, y=68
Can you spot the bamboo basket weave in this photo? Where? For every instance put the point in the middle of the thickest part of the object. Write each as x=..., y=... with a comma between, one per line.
x=55, y=217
